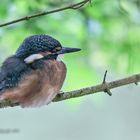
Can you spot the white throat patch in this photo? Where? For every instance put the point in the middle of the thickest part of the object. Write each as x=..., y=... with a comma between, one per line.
x=60, y=57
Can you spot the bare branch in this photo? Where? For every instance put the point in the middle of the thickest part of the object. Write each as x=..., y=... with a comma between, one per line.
x=72, y=6
x=89, y=90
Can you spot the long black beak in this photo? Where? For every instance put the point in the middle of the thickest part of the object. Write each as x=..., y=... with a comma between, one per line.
x=68, y=50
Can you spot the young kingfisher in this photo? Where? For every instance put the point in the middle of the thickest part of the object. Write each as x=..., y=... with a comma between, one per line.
x=35, y=74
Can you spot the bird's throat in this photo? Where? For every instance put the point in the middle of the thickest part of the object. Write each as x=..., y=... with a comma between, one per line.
x=60, y=57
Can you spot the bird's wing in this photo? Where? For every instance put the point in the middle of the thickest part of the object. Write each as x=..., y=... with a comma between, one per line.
x=11, y=72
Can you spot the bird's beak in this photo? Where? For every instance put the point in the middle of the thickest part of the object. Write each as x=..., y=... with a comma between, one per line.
x=68, y=50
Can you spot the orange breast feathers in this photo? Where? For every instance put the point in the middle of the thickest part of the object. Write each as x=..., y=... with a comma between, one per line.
x=39, y=87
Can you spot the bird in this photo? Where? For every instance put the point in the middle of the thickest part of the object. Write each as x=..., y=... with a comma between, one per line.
x=34, y=75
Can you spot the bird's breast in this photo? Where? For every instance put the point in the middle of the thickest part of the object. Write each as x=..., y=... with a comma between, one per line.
x=54, y=72
x=40, y=86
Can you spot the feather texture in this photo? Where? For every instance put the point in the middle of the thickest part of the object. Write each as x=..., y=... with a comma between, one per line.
x=36, y=87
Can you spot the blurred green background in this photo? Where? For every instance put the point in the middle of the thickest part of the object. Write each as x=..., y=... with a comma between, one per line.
x=108, y=32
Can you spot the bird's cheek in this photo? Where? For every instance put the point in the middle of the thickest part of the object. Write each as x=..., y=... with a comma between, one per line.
x=45, y=53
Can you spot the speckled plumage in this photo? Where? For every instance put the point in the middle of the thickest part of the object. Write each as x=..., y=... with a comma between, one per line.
x=33, y=76
x=35, y=44
x=13, y=68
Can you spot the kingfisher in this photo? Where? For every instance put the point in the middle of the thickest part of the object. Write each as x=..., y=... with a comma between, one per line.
x=34, y=75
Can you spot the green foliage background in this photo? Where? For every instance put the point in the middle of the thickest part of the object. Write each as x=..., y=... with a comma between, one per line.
x=108, y=33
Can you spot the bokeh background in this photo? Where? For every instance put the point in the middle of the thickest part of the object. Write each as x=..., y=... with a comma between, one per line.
x=108, y=32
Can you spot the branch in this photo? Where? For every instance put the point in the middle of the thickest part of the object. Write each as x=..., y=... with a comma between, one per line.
x=104, y=87
x=72, y=6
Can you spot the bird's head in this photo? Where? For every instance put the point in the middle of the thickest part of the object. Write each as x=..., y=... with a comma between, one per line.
x=41, y=46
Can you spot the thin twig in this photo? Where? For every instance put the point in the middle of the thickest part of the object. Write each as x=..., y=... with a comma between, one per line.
x=107, y=90
x=104, y=79
x=86, y=91
x=72, y=6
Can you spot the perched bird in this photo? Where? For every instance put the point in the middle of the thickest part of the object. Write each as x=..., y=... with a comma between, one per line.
x=34, y=75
